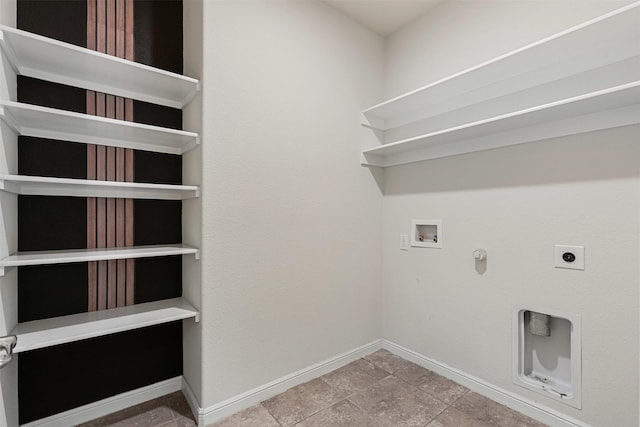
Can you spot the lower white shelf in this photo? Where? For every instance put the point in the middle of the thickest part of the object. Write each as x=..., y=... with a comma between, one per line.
x=605, y=109
x=46, y=186
x=102, y=254
x=59, y=330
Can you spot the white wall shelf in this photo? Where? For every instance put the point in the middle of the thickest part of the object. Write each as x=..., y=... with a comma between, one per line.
x=609, y=41
x=580, y=80
x=102, y=254
x=59, y=330
x=44, y=186
x=52, y=60
x=43, y=122
x=614, y=107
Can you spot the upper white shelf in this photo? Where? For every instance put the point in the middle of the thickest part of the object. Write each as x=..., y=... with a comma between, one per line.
x=613, y=107
x=43, y=122
x=45, y=186
x=52, y=60
x=606, y=41
x=59, y=330
x=21, y=259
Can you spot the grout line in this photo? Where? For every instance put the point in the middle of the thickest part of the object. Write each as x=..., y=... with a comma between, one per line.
x=272, y=416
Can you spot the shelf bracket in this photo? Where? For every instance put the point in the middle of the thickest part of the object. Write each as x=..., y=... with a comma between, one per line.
x=8, y=119
x=8, y=51
x=7, y=344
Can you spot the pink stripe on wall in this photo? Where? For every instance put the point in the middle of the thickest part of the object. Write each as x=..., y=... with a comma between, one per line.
x=110, y=220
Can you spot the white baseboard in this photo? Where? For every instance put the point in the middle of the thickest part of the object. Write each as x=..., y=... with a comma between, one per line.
x=109, y=405
x=193, y=402
x=245, y=400
x=206, y=416
x=523, y=405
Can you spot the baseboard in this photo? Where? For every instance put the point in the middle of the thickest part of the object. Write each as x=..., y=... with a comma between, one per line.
x=206, y=416
x=193, y=402
x=245, y=400
x=110, y=405
x=523, y=405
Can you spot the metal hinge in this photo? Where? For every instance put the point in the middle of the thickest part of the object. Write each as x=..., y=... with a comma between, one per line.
x=7, y=344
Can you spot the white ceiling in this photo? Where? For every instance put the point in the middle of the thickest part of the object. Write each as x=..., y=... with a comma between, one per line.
x=383, y=16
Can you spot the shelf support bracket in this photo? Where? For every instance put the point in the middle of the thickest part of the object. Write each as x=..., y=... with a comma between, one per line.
x=6, y=47
x=7, y=344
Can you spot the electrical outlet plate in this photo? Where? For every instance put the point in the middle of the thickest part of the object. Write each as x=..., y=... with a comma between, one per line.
x=563, y=261
x=404, y=242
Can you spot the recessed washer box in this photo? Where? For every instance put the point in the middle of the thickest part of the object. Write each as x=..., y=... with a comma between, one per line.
x=550, y=365
x=426, y=233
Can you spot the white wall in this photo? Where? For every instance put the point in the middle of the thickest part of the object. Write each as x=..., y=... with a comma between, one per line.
x=291, y=251
x=516, y=202
x=8, y=234
x=191, y=209
x=8, y=12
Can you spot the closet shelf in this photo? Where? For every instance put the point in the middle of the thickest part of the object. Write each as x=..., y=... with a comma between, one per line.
x=44, y=58
x=45, y=186
x=609, y=41
x=59, y=330
x=43, y=122
x=610, y=108
x=102, y=254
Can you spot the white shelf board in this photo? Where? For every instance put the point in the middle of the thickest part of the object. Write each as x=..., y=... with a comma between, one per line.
x=43, y=122
x=44, y=186
x=59, y=330
x=605, y=40
x=52, y=60
x=613, y=107
x=102, y=254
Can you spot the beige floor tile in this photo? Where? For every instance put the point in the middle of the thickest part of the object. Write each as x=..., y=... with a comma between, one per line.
x=152, y=417
x=355, y=376
x=395, y=403
x=412, y=397
x=443, y=388
x=454, y=418
x=181, y=410
x=386, y=360
x=166, y=411
x=436, y=385
x=301, y=401
x=342, y=414
x=492, y=413
x=119, y=418
x=412, y=373
x=256, y=416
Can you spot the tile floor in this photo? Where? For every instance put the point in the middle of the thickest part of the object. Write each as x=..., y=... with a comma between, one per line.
x=380, y=390
x=171, y=410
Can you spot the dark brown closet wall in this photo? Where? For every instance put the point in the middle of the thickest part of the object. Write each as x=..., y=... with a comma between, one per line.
x=59, y=378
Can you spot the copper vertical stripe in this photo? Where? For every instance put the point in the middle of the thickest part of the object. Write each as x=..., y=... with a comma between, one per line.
x=111, y=163
x=110, y=220
x=92, y=303
x=128, y=157
x=121, y=268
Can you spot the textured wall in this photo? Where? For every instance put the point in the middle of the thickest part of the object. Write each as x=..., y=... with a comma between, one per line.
x=191, y=209
x=517, y=203
x=291, y=222
x=9, y=220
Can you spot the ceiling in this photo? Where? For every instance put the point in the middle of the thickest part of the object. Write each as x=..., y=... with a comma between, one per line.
x=383, y=16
